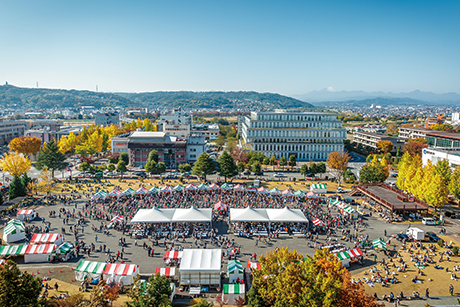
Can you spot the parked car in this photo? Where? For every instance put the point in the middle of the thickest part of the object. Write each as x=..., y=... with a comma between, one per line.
x=432, y=237
x=428, y=221
x=111, y=174
x=170, y=176
x=246, y=173
x=97, y=175
x=279, y=175
x=402, y=236
x=340, y=190
x=139, y=173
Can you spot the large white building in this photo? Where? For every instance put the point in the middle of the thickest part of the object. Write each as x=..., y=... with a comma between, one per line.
x=436, y=154
x=11, y=129
x=306, y=135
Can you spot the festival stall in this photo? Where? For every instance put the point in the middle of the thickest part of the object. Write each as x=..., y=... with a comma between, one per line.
x=168, y=272
x=190, y=187
x=234, y=270
x=166, y=189
x=312, y=194
x=220, y=206
x=154, y=215
x=213, y=187
x=25, y=214
x=238, y=188
x=320, y=188
x=192, y=214
x=287, y=193
x=263, y=190
x=317, y=222
x=345, y=209
x=349, y=256
x=251, y=189
x=154, y=190
x=128, y=192
x=13, y=250
x=65, y=251
x=233, y=292
x=226, y=187
x=299, y=193
x=89, y=269
x=100, y=194
x=142, y=190
x=379, y=243
x=286, y=215
x=275, y=191
x=115, y=193
x=14, y=231
x=202, y=187
x=118, y=219
x=172, y=256
x=200, y=267
x=178, y=188
x=123, y=274
x=39, y=253
x=47, y=238
x=248, y=214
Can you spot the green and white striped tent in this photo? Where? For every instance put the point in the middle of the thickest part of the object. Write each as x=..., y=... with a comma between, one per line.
x=89, y=268
x=234, y=270
x=65, y=247
x=14, y=231
x=178, y=188
x=9, y=250
x=319, y=188
x=226, y=186
x=128, y=191
x=348, y=209
x=154, y=190
x=232, y=292
x=299, y=193
x=100, y=194
x=202, y=186
x=379, y=243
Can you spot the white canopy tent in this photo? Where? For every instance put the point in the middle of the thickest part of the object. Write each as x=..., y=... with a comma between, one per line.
x=200, y=267
x=286, y=215
x=153, y=215
x=14, y=231
x=248, y=215
x=25, y=214
x=192, y=214
x=120, y=273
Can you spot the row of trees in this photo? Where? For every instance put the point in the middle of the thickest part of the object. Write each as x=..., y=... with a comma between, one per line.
x=430, y=183
x=375, y=171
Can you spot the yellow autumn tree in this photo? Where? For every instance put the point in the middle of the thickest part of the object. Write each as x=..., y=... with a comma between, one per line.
x=428, y=171
x=15, y=164
x=338, y=162
x=385, y=168
x=28, y=145
x=437, y=193
x=147, y=125
x=45, y=182
x=91, y=146
x=416, y=188
x=403, y=167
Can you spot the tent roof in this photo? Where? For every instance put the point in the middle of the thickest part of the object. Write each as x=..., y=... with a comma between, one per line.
x=248, y=215
x=91, y=267
x=201, y=260
x=121, y=269
x=286, y=215
x=153, y=215
x=234, y=289
x=192, y=214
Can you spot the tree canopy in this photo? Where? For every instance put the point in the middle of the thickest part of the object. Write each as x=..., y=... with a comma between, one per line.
x=51, y=158
x=204, y=166
x=15, y=164
x=154, y=293
x=26, y=145
x=227, y=166
x=338, y=162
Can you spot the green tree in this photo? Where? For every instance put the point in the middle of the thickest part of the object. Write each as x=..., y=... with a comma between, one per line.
x=266, y=161
x=304, y=170
x=257, y=168
x=84, y=167
x=124, y=156
x=273, y=162
x=151, y=167
x=16, y=188
x=443, y=169
x=51, y=158
x=156, y=293
x=454, y=185
x=153, y=156
x=184, y=167
x=161, y=167
x=321, y=168
x=18, y=288
x=220, y=141
x=227, y=166
x=25, y=180
x=372, y=174
x=240, y=167
x=283, y=162
x=292, y=161
x=201, y=302
x=111, y=167
x=204, y=166
x=121, y=167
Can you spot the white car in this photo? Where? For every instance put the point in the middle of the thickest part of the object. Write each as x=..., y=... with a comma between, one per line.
x=428, y=221
x=279, y=175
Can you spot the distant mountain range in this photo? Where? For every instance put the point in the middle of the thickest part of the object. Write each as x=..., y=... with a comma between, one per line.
x=39, y=98
x=419, y=97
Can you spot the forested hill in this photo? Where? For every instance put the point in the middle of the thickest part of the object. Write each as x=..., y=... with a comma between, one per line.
x=216, y=99
x=17, y=97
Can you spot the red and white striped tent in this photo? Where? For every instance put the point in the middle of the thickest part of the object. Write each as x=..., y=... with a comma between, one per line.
x=220, y=206
x=263, y=190
x=142, y=190
x=287, y=192
x=166, y=189
x=23, y=214
x=120, y=273
x=115, y=192
x=213, y=187
x=46, y=238
x=39, y=252
x=238, y=188
x=168, y=272
x=253, y=265
x=116, y=220
x=190, y=187
x=317, y=222
x=173, y=255
x=251, y=189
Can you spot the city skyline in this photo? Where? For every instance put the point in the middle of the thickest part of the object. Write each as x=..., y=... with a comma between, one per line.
x=291, y=49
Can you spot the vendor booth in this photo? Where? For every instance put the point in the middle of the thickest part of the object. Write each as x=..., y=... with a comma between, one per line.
x=192, y=214
x=168, y=272
x=40, y=253
x=349, y=256
x=46, y=238
x=234, y=270
x=231, y=293
x=65, y=251
x=14, y=231
x=172, y=256
x=200, y=267
x=118, y=219
x=153, y=215
x=89, y=269
x=121, y=273
x=320, y=188
x=25, y=215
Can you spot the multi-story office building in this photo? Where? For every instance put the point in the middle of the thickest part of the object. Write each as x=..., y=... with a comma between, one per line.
x=433, y=137
x=371, y=139
x=306, y=135
x=452, y=155
x=106, y=119
x=209, y=131
x=11, y=129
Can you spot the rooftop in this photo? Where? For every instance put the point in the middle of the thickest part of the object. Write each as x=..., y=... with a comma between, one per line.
x=147, y=134
x=450, y=151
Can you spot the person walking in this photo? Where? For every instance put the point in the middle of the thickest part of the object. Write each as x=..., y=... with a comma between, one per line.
x=427, y=293
x=451, y=290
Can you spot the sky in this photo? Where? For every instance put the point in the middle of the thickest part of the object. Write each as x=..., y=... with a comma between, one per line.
x=286, y=47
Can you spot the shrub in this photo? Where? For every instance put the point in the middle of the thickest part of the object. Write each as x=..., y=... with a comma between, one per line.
x=455, y=250
x=294, y=179
x=301, y=179
x=441, y=242
x=181, y=179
